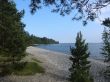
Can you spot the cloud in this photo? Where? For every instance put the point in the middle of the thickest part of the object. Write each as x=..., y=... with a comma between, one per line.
x=105, y=13
x=106, y=9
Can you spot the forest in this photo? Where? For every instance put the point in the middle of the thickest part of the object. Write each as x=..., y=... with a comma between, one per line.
x=38, y=40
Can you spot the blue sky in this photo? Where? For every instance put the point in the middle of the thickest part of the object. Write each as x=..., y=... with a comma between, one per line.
x=46, y=24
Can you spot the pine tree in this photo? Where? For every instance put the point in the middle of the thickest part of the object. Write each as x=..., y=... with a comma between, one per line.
x=106, y=44
x=80, y=64
x=12, y=34
x=106, y=40
x=11, y=28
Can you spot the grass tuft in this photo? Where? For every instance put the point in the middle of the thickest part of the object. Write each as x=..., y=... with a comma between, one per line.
x=36, y=60
x=30, y=68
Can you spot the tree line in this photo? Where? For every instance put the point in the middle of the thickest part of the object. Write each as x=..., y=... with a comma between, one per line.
x=32, y=39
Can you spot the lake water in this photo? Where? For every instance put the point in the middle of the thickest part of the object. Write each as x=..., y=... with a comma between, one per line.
x=94, y=48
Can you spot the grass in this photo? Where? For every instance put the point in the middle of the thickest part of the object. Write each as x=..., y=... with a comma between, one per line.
x=30, y=68
x=20, y=68
x=36, y=60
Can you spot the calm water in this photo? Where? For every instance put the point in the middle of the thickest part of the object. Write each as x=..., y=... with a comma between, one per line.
x=94, y=48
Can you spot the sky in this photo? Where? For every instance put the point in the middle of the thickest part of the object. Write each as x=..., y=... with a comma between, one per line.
x=44, y=23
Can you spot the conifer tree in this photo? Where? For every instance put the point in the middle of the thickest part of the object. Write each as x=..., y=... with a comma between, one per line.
x=106, y=40
x=80, y=64
x=106, y=44
x=12, y=34
x=12, y=37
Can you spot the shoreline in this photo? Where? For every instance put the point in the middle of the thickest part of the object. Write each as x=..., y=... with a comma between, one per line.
x=97, y=66
x=56, y=66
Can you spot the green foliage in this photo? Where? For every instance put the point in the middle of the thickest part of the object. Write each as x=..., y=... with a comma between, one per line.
x=106, y=22
x=10, y=68
x=80, y=64
x=36, y=60
x=12, y=36
x=106, y=44
x=37, y=40
x=106, y=40
x=11, y=28
x=22, y=68
x=14, y=39
x=29, y=68
x=107, y=73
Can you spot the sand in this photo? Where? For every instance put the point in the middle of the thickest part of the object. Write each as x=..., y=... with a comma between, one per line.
x=56, y=68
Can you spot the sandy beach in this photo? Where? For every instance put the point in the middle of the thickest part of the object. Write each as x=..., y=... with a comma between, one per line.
x=56, y=68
